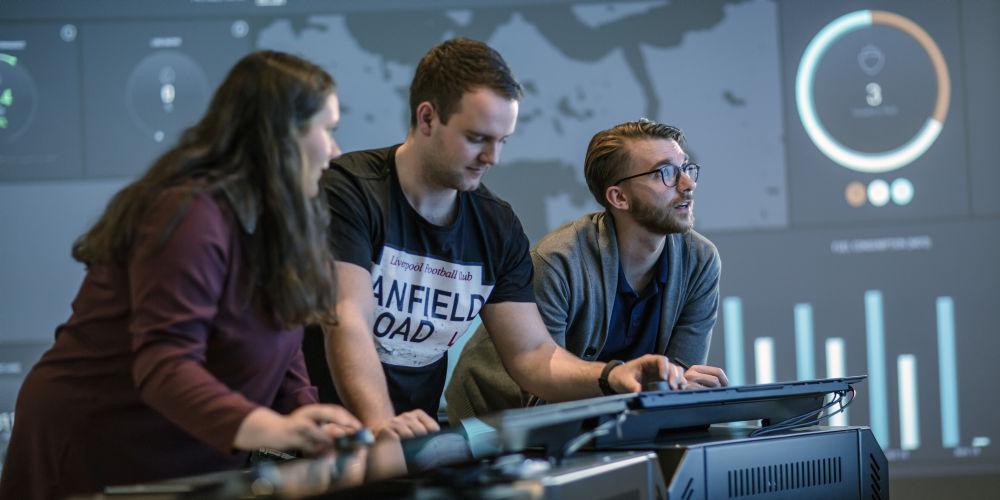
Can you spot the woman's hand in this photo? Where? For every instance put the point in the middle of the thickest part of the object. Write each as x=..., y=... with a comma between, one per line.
x=311, y=428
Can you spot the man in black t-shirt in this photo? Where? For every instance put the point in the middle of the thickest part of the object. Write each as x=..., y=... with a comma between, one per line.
x=422, y=248
x=429, y=280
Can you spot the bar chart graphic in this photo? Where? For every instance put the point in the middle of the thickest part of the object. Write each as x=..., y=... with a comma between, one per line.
x=732, y=309
x=763, y=352
x=826, y=303
x=836, y=368
x=804, y=358
x=906, y=435
x=909, y=414
x=948, y=372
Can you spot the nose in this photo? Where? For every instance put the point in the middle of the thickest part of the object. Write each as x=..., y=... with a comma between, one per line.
x=490, y=154
x=685, y=183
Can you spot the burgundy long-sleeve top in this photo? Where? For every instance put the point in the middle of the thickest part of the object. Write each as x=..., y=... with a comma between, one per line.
x=160, y=362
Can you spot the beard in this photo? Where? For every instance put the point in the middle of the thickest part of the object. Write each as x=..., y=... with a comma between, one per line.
x=662, y=219
x=440, y=171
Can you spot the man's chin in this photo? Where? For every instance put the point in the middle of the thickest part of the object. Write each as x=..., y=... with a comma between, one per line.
x=676, y=226
x=459, y=183
x=467, y=184
x=687, y=225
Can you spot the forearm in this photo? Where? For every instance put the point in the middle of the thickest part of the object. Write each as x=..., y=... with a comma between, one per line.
x=538, y=365
x=357, y=371
x=541, y=367
x=554, y=374
x=255, y=429
x=184, y=392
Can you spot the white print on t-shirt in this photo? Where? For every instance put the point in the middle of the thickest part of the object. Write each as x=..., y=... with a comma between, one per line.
x=423, y=305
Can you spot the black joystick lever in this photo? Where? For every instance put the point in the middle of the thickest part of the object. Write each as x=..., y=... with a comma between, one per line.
x=657, y=386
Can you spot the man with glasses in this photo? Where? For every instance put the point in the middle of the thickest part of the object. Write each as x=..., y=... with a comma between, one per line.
x=614, y=285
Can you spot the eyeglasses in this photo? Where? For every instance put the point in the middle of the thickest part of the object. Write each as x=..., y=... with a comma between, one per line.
x=670, y=174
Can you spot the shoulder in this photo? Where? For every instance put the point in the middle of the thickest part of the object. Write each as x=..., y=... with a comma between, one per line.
x=700, y=245
x=571, y=238
x=183, y=219
x=488, y=201
x=370, y=164
x=699, y=251
x=365, y=171
x=494, y=212
x=360, y=178
x=572, y=248
x=191, y=203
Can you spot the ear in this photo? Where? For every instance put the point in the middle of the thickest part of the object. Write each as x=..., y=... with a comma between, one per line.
x=426, y=116
x=616, y=197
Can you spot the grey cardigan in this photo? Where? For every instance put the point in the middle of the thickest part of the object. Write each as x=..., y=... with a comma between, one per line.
x=575, y=282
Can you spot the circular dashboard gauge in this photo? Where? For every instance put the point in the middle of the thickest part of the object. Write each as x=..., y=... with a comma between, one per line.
x=18, y=98
x=166, y=93
x=851, y=158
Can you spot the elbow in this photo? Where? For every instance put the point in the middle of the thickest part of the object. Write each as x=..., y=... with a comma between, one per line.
x=532, y=372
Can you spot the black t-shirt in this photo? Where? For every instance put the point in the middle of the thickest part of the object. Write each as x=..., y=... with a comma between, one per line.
x=430, y=282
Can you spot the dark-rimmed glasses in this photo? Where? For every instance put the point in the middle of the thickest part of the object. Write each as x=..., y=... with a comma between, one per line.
x=670, y=174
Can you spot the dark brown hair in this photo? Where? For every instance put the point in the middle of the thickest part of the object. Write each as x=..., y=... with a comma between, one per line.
x=455, y=67
x=246, y=143
x=606, y=154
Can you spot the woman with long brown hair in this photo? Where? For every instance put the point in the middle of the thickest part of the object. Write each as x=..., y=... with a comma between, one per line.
x=183, y=349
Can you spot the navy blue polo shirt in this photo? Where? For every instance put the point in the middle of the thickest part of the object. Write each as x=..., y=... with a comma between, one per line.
x=635, y=318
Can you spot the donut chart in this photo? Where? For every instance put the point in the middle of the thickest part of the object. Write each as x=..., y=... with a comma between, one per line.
x=166, y=93
x=861, y=161
x=18, y=98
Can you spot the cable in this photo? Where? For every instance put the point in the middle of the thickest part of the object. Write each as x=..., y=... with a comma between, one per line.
x=604, y=429
x=806, y=419
x=843, y=399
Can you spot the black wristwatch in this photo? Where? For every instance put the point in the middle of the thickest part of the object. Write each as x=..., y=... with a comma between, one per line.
x=603, y=381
